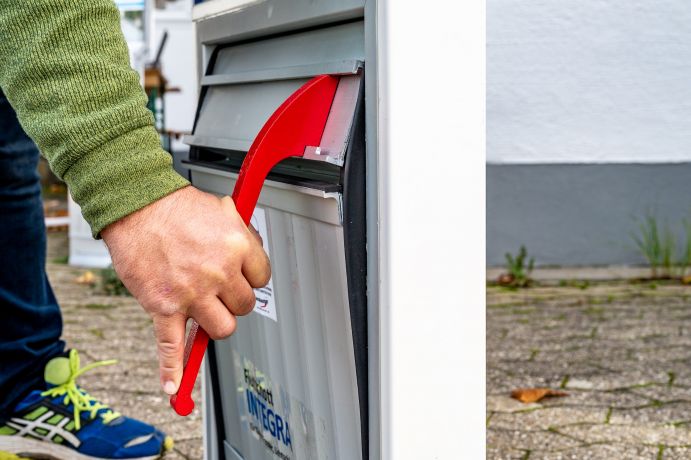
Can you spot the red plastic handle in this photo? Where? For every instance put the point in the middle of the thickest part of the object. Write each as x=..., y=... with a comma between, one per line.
x=297, y=123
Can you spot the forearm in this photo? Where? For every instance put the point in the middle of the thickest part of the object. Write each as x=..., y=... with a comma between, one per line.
x=64, y=66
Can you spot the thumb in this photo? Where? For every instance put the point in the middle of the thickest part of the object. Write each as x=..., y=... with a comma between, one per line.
x=170, y=340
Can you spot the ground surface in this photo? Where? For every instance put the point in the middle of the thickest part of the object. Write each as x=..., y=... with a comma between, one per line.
x=623, y=353
x=106, y=327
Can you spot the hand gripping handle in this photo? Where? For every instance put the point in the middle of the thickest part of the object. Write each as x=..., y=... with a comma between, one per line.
x=297, y=123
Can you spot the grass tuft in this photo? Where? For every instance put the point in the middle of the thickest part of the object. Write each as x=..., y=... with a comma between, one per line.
x=111, y=283
x=99, y=306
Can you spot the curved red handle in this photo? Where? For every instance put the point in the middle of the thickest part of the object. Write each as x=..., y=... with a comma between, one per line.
x=297, y=123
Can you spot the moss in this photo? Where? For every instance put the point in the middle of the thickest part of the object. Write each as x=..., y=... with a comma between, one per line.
x=111, y=283
x=593, y=333
x=564, y=381
x=97, y=332
x=99, y=306
x=594, y=311
x=62, y=260
x=672, y=377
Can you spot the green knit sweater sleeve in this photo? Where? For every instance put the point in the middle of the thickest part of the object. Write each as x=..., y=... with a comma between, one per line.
x=64, y=67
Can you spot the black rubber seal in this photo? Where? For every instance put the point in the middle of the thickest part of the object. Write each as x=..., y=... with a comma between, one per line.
x=355, y=236
x=216, y=395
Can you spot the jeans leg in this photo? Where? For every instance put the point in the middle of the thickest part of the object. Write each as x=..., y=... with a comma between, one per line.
x=31, y=322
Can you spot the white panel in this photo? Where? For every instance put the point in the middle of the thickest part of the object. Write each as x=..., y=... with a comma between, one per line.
x=85, y=251
x=178, y=62
x=308, y=352
x=211, y=8
x=432, y=229
x=579, y=81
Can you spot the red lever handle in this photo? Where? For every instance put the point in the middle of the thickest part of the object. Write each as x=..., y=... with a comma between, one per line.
x=297, y=123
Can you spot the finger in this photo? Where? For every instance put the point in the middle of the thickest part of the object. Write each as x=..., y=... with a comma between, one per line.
x=238, y=296
x=256, y=234
x=229, y=205
x=213, y=316
x=256, y=267
x=170, y=340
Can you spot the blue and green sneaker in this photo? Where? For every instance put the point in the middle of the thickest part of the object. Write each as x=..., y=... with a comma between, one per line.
x=64, y=422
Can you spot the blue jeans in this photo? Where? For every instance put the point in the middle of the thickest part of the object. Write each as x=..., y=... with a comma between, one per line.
x=30, y=320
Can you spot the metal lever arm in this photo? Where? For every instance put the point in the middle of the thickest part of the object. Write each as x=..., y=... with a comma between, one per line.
x=297, y=123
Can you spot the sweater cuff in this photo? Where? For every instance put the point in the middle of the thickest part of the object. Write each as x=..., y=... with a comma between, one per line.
x=122, y=176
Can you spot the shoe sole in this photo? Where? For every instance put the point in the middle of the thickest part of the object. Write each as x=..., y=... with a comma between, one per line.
x=33, y=448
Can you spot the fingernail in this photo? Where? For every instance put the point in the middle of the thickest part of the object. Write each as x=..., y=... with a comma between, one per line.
x=169, y=387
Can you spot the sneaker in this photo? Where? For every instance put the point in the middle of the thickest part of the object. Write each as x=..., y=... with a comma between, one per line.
x=65, y=423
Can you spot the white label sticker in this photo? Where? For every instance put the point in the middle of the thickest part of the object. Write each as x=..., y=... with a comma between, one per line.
x=282, y=424
x=266, y=304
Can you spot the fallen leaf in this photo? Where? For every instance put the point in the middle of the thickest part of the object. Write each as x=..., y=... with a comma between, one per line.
x=505, y=279
x=686, y=279
x=57, y=188
x=530, y=395
x=86, y=278
x=56, y=213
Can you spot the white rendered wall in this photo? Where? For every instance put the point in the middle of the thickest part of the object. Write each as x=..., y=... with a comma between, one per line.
x=588, y=81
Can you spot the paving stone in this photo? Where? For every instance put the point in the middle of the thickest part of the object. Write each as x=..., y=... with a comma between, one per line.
x=601, y=399
x=545, y=417
x=665, y=393
x=505, y=453
x=644, y=434
x=627, y=378
x=508, y=404
x=599, y=452
x=665, y=413
x=676, y=453
x=530, y=440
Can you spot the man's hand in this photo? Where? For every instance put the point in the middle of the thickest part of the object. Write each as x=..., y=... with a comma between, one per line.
x=188, y=254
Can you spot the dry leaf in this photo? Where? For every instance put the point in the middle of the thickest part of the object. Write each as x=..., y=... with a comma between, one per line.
x=86, y=278
x=530, y=395
x=57, y=188
x=56, y=213
x=505, y=279
x=686, y=279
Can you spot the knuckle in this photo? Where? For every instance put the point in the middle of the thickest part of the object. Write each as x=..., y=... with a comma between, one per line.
x=168, y=369
x=261, y=275
x=237, y=242
x=167, y=309
x=166, y=300
x=168, y=348
x=246, y=302
x=266, y=275
x=212, y=271
x=228, y=202
x=222, y=330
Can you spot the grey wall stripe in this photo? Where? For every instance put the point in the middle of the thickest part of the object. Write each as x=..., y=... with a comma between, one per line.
x=580, y=214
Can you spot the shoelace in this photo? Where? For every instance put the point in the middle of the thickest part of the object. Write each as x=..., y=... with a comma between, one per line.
x=81, y=400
